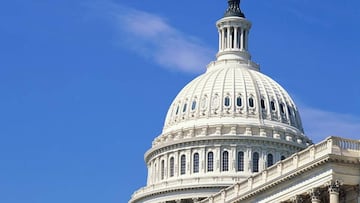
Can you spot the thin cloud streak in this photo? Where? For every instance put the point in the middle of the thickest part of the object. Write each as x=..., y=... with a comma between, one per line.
x=153, y=38
x=320, y=124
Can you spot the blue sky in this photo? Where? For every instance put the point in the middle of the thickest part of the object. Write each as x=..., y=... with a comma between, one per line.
x=85, y=84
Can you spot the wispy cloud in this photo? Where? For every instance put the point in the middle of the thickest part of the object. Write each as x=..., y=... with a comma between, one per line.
x=320, y=124
x=153, y=38
x=306, y=11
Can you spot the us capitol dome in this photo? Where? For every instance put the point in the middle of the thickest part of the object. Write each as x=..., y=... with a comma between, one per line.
x=225, y=126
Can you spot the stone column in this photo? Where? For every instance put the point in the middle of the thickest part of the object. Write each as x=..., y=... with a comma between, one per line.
x=178, y=201
x=219, y=40
x=223, y=39
x=241, y=39
x=228, y=37
x=315, y=195
x=246, y=40
x=334, y=190
x=235, y=38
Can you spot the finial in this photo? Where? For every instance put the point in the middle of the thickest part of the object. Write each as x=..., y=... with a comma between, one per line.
x=234, y=9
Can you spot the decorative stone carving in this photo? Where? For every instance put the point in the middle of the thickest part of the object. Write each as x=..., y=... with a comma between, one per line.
x=315, y=195
x=296, y=199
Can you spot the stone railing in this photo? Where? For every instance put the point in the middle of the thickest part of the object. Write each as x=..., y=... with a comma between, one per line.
x=332, y=145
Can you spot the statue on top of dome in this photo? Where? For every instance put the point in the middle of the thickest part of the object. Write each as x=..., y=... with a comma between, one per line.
x=234, y=9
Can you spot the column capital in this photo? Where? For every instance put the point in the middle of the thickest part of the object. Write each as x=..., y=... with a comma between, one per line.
x=314, y=194
x=296, y=199
x=334, y=186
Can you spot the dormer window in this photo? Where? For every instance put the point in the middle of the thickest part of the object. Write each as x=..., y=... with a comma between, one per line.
x=227, y=101
x=177, y=110
x=184, y=108
x=282, y=110
x=272, y=104
x=251, y=102
x=193, y=105
x=262, y=103
x=238, y=101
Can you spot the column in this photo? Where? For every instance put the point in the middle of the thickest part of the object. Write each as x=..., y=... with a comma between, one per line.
x=315, y=195
x=334, y=190
x=235, y=38
x=233, y=159
x=228, y=38
x=217, y=156
x=220, y=40
x=149, y=174
x=241, y=39
x=231, y=37
x=202, y=160
x=223, y=38
x=246, y=39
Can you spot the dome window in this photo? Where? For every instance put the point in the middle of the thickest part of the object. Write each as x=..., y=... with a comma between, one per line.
x=225, y=161
x=240, y=161
x=282, y=108
x=177, y=110
x=171, y=166
x=162, y=170
x=255, y=162
x=270, y=160
x=251, y=102
x=184, y=108
x=193, y=105
x=203, y=102
x=272, y=103
x=238, y=101
x=262, y=103
x=196, y=163
x=210, y=163
x=182, y=164
x=227, y=101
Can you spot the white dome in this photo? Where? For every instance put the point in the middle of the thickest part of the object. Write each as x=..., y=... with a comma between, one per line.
x=224, y=126
x=232, y=92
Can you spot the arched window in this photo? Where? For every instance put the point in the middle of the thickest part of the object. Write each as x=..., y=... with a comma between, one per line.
x=225, y=161
x=238, y=101
x=227, y=101
x=177, y=110
x=193, y=105
x=255, y=162
x=282, y=157
x=196, y=163
x=251, y=102
x=270, y=160
x=282, y=110
x=184, y=108
x=240, y=161
x=262, y=101
x=162, y=169
x=210, y=161
x=171, y=166
x=272, y=103
x=182, y=164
